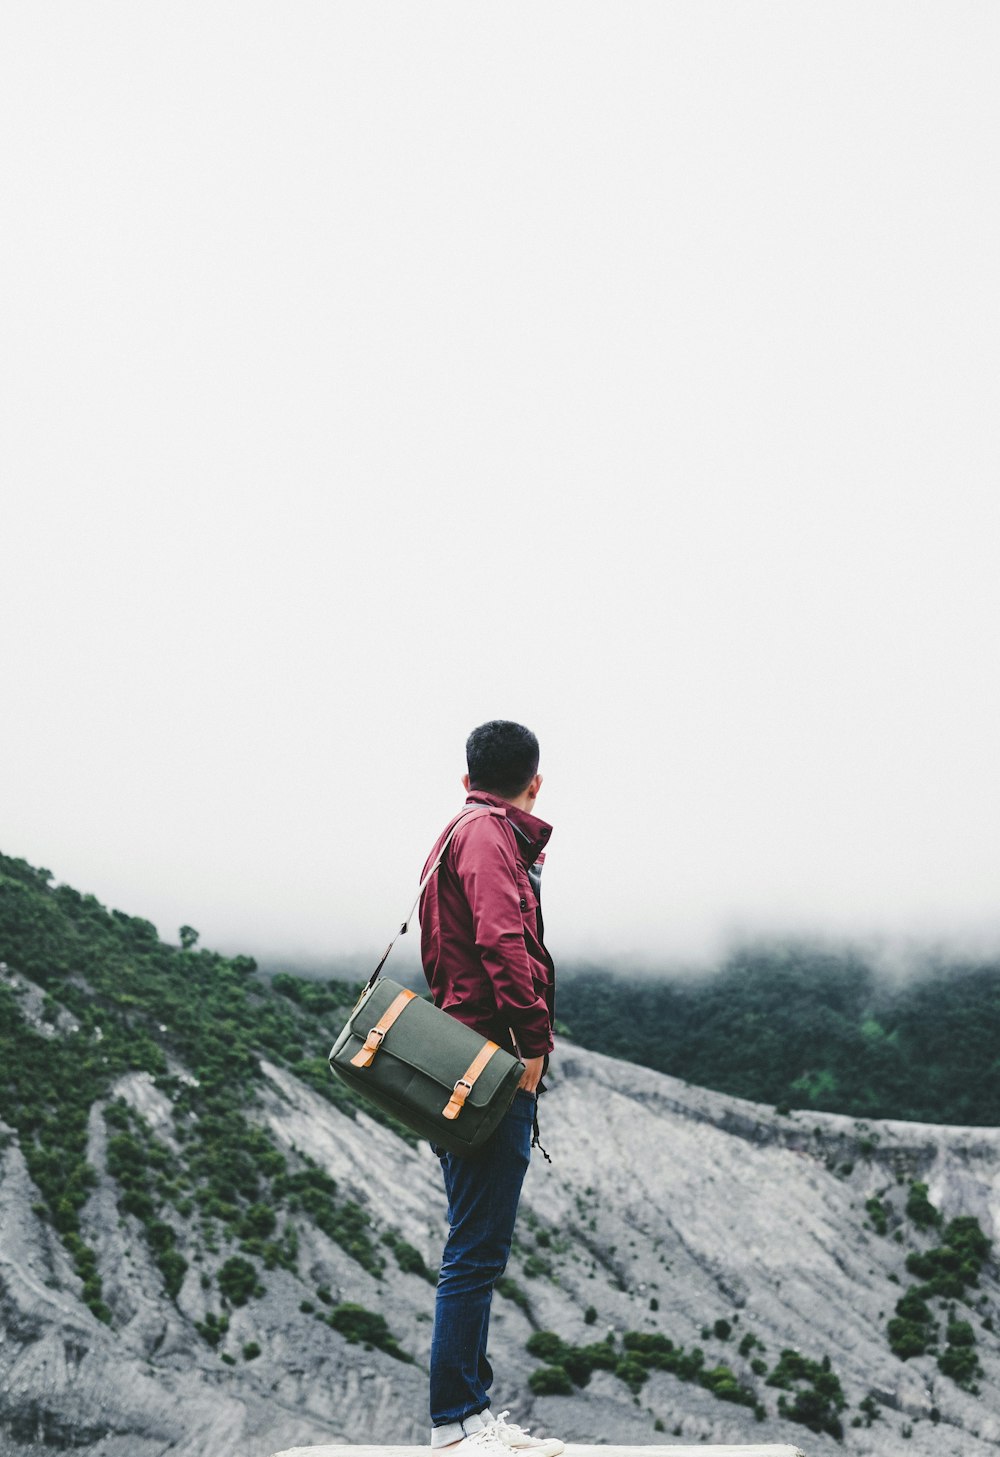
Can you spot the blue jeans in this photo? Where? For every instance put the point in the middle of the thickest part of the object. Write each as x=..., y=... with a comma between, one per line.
x=483, y=1192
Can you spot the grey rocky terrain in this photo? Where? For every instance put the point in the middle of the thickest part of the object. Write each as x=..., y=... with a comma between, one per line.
x=666, y=1208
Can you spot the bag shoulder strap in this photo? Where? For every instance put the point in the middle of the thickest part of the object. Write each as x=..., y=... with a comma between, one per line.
x=475, y=812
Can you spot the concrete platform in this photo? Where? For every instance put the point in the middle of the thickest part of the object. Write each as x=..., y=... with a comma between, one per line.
x=573, y=1449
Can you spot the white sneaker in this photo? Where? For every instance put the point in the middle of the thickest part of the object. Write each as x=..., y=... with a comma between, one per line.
x=483, y=1442
x=516, y=1439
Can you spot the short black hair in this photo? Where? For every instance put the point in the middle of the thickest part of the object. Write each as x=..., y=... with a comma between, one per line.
x=502, y=758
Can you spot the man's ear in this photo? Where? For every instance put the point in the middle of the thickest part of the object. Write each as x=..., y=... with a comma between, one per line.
x=535, y=785
x=465, y=782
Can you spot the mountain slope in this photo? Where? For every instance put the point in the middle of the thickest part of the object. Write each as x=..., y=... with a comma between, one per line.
x=207, y=1249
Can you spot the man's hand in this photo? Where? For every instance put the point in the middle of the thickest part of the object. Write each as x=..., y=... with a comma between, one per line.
x=532, y=1074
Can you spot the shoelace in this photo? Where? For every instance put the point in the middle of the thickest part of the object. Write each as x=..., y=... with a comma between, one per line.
x=512, y=1427
x=488, y=1438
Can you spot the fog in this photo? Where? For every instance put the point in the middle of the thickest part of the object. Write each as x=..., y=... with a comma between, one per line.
x=370, y=371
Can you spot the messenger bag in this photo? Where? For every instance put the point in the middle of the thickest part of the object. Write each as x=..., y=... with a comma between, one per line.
x=441, y=1079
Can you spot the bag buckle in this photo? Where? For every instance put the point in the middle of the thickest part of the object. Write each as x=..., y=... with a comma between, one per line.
x=373, y=1042
x=456, y=1102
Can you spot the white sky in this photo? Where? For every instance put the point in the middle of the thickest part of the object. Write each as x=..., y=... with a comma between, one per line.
x=370, y=370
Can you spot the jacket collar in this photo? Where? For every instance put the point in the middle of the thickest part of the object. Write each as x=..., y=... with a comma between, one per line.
x=533, y=836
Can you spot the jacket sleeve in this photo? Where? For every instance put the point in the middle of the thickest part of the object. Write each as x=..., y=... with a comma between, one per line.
x=485, y=863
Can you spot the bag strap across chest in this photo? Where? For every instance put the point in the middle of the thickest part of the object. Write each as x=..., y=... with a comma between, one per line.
x=476, y=812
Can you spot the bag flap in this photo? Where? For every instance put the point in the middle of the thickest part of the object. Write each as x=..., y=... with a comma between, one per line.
x=428, y=1040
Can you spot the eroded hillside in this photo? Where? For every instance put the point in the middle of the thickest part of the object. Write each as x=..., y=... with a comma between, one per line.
x=206, y=1246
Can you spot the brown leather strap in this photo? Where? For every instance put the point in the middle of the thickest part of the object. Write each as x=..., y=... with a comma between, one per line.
x=373, y=1041
x=464, y=1085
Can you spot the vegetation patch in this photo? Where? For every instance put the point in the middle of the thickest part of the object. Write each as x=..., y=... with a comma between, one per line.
x=568, y=1366
x=946, y=1272
x=212, y=1328
x=315, y=1193
x=878, y=1212
x=409, y=1259
x=818, y=1397
x=358, y=1325
x=919, y=1208
x=869, y=1412
x=237, y=1280
x=147, y=1175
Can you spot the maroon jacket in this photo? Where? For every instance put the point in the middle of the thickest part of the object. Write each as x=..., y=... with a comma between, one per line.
x=481, y=928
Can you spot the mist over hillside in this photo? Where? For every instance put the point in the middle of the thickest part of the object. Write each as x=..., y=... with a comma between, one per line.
x=800, y=1023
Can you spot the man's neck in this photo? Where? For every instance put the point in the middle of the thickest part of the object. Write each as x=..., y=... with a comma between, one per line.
x=523, y=801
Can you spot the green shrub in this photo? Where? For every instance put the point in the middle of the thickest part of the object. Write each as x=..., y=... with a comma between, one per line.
x=547, y=1346
x=953, y=1265
x=213, y=1328
x=173, y=1267
x=919, y=1208
x=577, y=1365
x=870, y=1412
x=878, y=1213
x=251, y=1351
x=650, y=1347
x=550, y=1381
x=356, y=1324
x=811, y=1409
x=576, y=1361
x=237, y=1279
x=912, y=1307
x=961, y=1364
x=632, y=1372
x=964, y=1234
x=258, y=1221
x=908, y=1337
x=722, y=1383
x=815, y=1405
x=600, y=1356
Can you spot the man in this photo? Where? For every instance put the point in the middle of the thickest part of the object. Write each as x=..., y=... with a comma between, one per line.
x=485, y=963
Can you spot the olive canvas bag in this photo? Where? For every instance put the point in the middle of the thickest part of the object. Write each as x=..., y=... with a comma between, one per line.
x=440, y=1078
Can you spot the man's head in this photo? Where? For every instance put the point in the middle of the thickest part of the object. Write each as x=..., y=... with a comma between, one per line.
x=503, y=760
